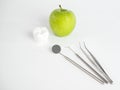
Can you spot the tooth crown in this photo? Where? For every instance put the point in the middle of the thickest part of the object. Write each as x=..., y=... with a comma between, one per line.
x=41, y=34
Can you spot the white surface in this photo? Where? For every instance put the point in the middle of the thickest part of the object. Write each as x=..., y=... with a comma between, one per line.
x=24, y=65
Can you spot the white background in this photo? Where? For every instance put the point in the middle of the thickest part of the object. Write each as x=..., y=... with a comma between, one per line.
x=24, y=65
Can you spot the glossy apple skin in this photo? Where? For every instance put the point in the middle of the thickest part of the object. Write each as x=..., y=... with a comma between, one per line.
x=62, y=22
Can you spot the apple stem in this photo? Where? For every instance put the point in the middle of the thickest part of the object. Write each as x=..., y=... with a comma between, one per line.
x=60, y=7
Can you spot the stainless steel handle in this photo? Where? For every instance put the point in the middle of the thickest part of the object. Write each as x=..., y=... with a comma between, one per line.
x=96, y=63
x=84, y=70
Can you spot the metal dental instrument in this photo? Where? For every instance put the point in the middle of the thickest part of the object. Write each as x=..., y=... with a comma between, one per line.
x=88, y=65
x=96, y=63
x=56, y=49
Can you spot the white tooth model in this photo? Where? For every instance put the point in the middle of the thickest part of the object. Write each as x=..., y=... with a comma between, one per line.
x=40, y=34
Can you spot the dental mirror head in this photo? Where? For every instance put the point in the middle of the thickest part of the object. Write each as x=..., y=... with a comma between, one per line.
x=56, y=49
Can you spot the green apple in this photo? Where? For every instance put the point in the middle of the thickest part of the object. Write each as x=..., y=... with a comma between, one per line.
x=62, y=21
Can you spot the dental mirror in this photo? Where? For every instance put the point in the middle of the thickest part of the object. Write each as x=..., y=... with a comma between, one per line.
x=56, y=49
